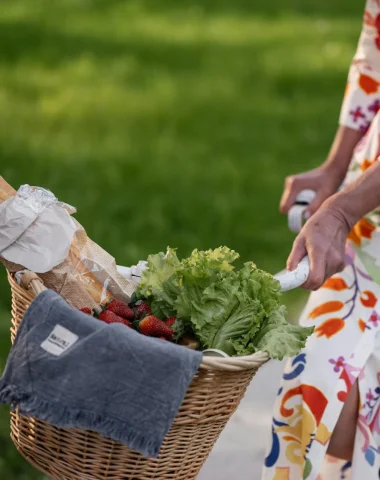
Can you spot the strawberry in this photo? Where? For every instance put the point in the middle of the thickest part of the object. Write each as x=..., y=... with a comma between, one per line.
x=154, y=327
x=86, y=310
x=170, y=321
x=143, y=309
x=120, y=309
x=109, y=317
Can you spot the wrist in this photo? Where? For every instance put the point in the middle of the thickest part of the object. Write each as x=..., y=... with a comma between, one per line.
x=341, y=207
x=360, y=197
x=339, y=158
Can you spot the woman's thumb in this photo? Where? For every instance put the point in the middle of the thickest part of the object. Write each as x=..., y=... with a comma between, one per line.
x=297, y=253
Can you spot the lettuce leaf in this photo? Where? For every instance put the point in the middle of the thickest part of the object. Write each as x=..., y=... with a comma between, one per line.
x=236, y=311
x=261, y=285
x=159, y=283
x=279, y=338
x=225, y=315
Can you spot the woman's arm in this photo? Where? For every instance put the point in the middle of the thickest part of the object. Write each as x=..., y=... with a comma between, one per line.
x=360, y=104
x=362, y=97
x=326, y=179
x=340, y=154
x=359, y=198
x=323, y=238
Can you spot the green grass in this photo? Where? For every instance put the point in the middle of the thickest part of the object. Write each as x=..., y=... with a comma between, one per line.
x=169, y=122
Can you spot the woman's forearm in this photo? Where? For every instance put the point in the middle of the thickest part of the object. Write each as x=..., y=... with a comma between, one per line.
x=340, y=154
x=359, y=198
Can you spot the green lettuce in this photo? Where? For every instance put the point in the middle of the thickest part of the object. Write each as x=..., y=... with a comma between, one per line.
x=280, y=339
x=236, y=311
x=226, y=316
x=159, y=283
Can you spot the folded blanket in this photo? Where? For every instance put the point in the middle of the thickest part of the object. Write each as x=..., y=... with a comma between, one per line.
x=74, y=371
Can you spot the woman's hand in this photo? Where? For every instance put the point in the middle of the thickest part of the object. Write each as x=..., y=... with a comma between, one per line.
x=322, y=180
x=323, y=239
x=326, y=179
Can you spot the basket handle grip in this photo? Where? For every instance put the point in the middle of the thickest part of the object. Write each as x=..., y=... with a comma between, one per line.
x=30, y=282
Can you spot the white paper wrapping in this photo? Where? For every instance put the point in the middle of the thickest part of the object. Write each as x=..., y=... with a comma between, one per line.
x=36, y=230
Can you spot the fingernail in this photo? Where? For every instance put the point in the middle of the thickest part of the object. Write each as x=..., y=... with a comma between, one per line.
x=307, y=215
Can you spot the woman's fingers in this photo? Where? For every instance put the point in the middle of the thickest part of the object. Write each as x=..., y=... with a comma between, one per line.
x=290, y=194
x=317, y=276
x=319, y=179
x=317, y=261
x=323, y=265
x=337, y=262
x=297, y=254
x=323, y=239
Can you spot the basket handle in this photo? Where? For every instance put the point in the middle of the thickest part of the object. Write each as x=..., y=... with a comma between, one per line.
x=32, y=283
x=235, y=364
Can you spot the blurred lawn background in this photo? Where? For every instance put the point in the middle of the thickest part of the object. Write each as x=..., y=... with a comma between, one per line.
x=171, y=122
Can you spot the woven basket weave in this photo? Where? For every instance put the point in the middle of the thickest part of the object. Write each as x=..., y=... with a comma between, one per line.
x=69, y=454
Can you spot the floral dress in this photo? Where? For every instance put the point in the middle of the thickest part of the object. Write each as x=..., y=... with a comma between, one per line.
x=345, y=345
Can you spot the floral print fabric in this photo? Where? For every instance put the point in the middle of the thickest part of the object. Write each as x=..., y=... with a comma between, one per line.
x=362, y=97
x=345, y=345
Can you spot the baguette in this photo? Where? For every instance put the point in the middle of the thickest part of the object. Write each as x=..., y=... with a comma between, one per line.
x=87, y=266
x=6, y=190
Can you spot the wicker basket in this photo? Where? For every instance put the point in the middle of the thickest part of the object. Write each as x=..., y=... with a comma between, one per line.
x=70, y=454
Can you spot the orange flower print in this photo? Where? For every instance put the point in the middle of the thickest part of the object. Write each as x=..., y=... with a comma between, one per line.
x=368, y=299
x=363, y=229
x=330, y=327
x=328, y=307
x=368, y=84
x=367, y=163
x=335, y=283
x=361, y=324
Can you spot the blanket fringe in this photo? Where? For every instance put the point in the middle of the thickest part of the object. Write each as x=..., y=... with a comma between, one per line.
x=64, y=417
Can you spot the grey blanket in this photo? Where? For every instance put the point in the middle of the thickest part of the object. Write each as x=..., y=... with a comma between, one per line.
x=74, y=371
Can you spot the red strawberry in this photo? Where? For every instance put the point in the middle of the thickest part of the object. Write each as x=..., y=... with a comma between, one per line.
x=143, y=309
x=109, y=317
x=86, y=310
x=120, y=309
x=170, y=321
x=154, y=327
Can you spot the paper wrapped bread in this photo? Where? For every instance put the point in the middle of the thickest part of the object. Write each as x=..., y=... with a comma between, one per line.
x=87, y=277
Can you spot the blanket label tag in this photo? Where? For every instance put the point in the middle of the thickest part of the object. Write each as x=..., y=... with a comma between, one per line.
x=59, y=341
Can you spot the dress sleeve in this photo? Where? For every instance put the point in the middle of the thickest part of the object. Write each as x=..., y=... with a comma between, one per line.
x=362, y=97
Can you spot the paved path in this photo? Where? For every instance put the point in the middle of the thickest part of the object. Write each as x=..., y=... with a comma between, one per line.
x=239, y=453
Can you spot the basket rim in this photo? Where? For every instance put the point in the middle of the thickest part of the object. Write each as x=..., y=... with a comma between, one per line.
x=31, y=283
